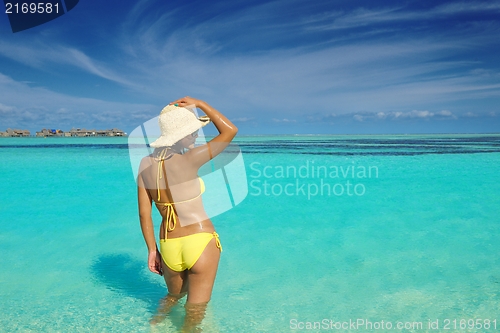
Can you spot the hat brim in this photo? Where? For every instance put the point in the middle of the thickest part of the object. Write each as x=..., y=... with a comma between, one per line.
x=169, y=140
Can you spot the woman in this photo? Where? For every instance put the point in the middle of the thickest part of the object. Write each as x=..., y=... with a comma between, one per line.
x=189, y=246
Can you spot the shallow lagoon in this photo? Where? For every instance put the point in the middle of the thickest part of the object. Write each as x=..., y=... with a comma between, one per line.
x=419, y=245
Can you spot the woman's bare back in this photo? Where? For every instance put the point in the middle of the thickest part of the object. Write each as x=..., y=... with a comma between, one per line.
x=178, y=183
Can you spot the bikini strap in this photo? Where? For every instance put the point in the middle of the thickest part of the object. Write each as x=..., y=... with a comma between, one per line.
x=160, y=158
x=171, y=217
x=202, y=190
x=217, y=241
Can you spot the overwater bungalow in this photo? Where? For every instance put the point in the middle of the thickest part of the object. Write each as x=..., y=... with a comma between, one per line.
x=15, y=133
x=93, y=132
x=78, y=132
x=44, y=132
x=115, y=132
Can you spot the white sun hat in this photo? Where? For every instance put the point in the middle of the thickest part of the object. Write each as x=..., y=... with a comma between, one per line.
x=176, y=123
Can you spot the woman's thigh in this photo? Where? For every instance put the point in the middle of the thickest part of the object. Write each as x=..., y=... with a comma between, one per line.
x=177, y=282
x=202, y=275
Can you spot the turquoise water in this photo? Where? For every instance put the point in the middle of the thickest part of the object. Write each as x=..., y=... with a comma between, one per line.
x=410, y=236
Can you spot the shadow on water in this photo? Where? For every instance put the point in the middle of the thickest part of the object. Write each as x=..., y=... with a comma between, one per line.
x=125, y=275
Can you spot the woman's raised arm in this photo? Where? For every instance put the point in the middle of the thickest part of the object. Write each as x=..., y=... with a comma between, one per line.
x=227, y=131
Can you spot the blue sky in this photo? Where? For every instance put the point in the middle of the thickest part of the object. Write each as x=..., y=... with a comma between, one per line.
x=277, y=67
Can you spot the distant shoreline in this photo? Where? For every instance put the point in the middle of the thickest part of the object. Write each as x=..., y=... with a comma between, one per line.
x=276, y=135
x=74, y=132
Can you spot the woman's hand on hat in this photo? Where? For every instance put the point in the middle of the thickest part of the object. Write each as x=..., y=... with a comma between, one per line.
x=185, y=101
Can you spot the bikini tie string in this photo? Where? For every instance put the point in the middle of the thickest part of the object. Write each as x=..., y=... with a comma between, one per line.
x=217, y=241
x=170, y=216
x=161, y=157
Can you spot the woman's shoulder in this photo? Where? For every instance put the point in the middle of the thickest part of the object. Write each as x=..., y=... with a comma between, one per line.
x=146, y=162
x=147, y=159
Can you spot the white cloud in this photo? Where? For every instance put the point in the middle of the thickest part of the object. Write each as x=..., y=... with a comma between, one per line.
x=45, y=57
x=5, y=109
x=412, y=114
x=243, y=119
x=375, y=76
x=444, y=113
x=284, y=120
x=81, y=60
x=467, y=7
x=396, y=116
x=47, y=108
x=363, y=17
x=422, y=114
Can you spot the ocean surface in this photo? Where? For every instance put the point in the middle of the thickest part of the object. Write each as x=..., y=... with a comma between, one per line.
x=336, y=233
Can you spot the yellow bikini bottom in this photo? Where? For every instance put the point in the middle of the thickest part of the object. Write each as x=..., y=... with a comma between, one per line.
x=182, y=253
